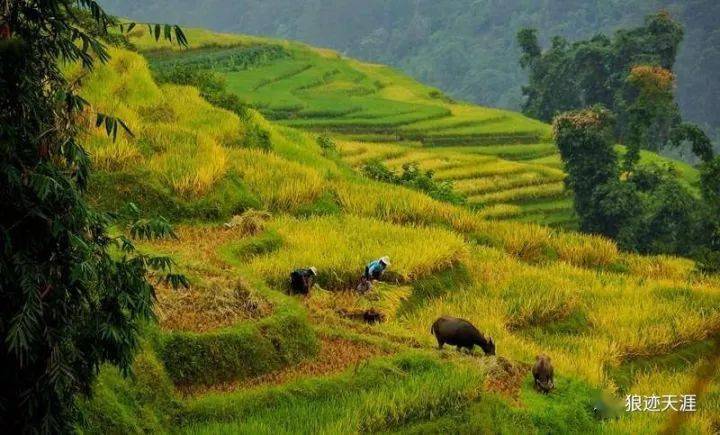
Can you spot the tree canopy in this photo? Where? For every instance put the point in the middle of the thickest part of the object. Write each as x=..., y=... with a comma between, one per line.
x=645, y=208
x=630, y=74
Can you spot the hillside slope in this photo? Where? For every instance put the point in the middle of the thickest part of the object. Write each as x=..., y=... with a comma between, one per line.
x=465, y=47
x=235, y=354
x=502, y=162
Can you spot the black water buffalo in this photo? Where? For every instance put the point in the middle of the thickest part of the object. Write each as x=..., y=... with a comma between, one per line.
x=543, y=373
x=460, y=333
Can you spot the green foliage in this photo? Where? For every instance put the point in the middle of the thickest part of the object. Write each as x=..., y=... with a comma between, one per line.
x=528, y=41
x=699, y=142
x=608, y=72
x=257, y=137
x=212, y=86
x=414, y=178
x=326, y=204
x=142, y=403
x=72, y=296
x=649, y=210
x=376, y=170
x=584, y=139
x=326, y=143
x=234, y=59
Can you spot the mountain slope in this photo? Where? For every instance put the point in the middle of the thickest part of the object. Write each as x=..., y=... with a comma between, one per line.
x=467, y=47
x=234, y=353
x=501, y=161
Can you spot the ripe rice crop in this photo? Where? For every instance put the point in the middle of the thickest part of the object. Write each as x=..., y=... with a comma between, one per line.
x=525, y=193
x=280, y=184
x=341, y=247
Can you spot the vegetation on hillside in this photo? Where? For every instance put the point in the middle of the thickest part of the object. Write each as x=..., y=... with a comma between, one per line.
x=599, y=312
x=253, y=199
x=626, y=86
x=630, y=74
x=644, y=207
x=609, y=72
x=467, y=48
x=500, y=162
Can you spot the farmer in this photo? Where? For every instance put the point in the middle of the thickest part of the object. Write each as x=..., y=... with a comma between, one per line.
x=302, y=280
x=376, y=268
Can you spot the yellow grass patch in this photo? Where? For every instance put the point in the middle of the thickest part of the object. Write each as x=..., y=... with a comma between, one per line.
x=280, y=184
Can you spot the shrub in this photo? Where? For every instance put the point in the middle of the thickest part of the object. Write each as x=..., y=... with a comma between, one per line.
x=212, y=86
x=376, y=170
x=258, y=138
x=326, y=143
x=414, y=178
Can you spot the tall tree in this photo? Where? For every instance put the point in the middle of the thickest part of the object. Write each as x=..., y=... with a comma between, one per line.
x=618, y=73
x=650, y=110
x=646, y=208
x=586, y=146
x=72, y=296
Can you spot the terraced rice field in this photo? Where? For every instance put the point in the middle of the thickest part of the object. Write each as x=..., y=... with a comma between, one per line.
x=494, y=157
x=525, y=190
x=236, y=354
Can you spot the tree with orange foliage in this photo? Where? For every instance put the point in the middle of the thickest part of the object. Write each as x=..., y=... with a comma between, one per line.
x=651, y=110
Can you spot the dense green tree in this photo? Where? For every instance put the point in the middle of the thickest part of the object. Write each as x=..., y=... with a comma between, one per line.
x=72, y=295
x=630, y=74
x=651, y=112
x=553, y=86
x=645, y=208
x=585, y=141
x=617, y=213
x=670, y=215
x=528, y=41
x=699, y=142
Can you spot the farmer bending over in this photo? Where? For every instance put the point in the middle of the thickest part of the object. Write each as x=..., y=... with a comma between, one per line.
x=376, y=268
x=302, y=280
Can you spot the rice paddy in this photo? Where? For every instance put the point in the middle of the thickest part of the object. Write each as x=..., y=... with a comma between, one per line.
x=236, y=354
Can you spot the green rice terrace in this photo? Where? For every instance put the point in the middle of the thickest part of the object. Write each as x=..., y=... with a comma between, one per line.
x=235, y=353
x=500, y=161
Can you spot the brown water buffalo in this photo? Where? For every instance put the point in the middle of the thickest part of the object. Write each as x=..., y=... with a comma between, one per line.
x=543, y=373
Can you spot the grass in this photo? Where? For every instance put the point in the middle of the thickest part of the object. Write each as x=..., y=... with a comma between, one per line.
x=218, y=358
x=179, y=137
x=378, y=396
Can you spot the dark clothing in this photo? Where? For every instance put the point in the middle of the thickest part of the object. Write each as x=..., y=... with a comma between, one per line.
x=301, y=281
